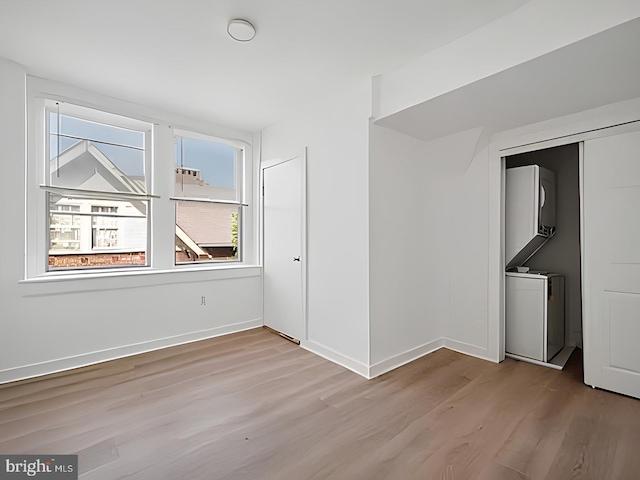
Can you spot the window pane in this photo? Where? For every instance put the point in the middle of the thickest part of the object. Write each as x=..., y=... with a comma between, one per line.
x=206, y=232
x=96, y=233
x=94, y=156
x=205, y=169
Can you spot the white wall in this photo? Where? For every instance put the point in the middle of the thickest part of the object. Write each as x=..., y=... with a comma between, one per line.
x=56, y=324
x=462, y=165
x=409, y=294
x=469, y=248
x=429, y=246
x=335, y=130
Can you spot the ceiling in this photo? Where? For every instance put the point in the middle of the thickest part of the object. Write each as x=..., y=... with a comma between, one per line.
x=178, y=57
x=599, y=70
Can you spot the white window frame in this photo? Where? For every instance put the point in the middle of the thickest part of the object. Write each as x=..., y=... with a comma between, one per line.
x=161, y=210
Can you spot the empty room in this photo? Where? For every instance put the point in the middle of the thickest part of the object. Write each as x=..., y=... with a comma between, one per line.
x=320, y=240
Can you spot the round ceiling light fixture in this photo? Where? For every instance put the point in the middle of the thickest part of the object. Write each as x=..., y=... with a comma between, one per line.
x=241, y=30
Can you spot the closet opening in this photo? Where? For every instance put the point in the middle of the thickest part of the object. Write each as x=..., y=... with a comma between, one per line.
x=539, y=326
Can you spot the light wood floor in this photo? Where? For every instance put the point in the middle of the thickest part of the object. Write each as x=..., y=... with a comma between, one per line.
x=254, y=406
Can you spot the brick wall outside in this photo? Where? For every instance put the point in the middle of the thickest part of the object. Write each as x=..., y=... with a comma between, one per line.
x=97, y=260
x=124, y=259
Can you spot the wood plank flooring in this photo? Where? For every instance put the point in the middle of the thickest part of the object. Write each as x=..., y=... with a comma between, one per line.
x=254, y=406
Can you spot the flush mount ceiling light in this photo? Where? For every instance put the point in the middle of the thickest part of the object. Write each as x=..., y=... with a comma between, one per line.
x=241, y=30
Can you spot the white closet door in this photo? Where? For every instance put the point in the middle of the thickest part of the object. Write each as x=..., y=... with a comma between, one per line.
x=611, y=261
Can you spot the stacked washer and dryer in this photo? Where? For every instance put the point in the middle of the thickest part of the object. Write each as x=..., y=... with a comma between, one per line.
x=534, y=301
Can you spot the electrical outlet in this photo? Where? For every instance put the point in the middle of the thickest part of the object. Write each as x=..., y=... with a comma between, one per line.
x=203, y=301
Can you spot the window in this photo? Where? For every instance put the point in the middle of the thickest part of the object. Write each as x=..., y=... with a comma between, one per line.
x=208, y=198
x=95, y=189
x=121, y=193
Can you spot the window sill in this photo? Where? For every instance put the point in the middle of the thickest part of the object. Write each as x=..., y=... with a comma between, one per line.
x=71, y=282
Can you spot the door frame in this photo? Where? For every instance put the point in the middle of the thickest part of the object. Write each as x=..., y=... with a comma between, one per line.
x=303, y=235
x=562, y=134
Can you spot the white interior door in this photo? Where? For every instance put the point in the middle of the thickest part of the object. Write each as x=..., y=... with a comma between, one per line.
x=284, y=253
x=611, y=262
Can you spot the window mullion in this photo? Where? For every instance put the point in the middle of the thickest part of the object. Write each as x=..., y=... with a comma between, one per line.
x=162, y=210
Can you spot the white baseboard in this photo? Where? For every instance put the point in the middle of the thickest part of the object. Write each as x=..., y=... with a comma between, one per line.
x=469, y=349
x=91, y=358
x=335, y=357
x=396, y=361
x=372, y=371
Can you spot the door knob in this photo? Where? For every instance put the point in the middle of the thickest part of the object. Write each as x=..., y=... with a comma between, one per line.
x=296, y=259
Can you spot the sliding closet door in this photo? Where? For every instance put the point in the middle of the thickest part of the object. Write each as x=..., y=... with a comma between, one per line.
x=611, y=262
